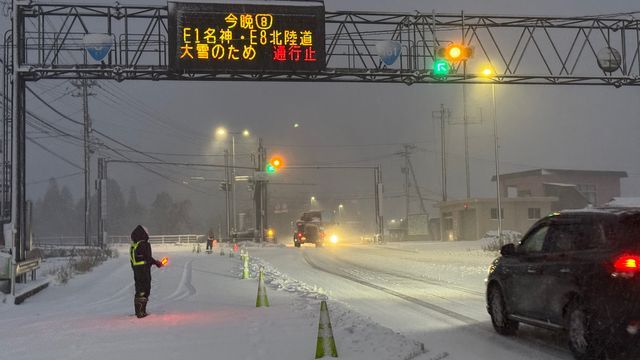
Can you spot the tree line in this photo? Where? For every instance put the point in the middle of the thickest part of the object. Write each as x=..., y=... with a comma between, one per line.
x=57, y=213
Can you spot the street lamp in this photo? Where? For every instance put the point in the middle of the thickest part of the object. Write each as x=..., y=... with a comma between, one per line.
x=488, y=73
x=340, y=207
x=223, y=132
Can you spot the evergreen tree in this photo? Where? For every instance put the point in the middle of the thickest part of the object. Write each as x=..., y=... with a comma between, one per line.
x=116, y=209
x=135, y=212
x=160, y=215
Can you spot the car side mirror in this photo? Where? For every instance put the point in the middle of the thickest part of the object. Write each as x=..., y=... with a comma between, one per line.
x=508, y=250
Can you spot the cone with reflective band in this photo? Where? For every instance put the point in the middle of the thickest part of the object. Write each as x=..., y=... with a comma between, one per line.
x=245, y=266
x=326, y=346
x=261, y=300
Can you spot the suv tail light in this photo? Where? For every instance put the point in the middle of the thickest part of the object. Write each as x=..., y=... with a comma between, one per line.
x=626, y=265
x=299, y=235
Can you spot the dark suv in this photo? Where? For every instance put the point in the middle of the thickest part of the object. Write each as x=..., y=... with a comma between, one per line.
x=576, y=271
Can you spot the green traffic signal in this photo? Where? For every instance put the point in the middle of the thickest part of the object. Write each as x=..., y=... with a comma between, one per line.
x=441, y=68
x=270, y=169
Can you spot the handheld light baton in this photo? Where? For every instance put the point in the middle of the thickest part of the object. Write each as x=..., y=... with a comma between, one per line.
x=164, y=261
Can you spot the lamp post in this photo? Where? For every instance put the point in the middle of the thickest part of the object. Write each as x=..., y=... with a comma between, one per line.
x=488, y=72
x=223, y=132
x=340, y=207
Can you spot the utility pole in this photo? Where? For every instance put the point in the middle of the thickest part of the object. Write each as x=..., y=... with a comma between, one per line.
x=464, y=111
x=227, y=186
x=466, y=140
x=233, y=184
x=101, y=184
x=260, y=193
x=443, y=115
x=83, y=86
x=407, y=184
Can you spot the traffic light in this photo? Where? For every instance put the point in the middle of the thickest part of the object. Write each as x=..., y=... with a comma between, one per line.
x=455, y=53
x=441, y=68
x=274, y=165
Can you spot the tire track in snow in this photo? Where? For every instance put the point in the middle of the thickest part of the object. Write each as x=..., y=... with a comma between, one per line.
x=541, y=347
x=439, y=309
x=185, y=288
x=425, y=280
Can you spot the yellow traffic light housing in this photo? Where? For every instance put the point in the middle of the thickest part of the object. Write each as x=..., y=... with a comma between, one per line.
x=455, y=52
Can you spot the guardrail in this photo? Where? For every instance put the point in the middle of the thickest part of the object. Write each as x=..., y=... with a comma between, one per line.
x=47, y=241
x=12, y=271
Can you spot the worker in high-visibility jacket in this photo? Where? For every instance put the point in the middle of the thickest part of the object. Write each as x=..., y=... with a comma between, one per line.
x=141, y=262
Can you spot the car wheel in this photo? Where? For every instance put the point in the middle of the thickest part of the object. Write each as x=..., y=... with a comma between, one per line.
x=498, y=311
x=297, y=244
x=582, y=340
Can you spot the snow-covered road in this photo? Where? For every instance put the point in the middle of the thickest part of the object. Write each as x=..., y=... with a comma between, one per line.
x=430, y=292
x=200, y=309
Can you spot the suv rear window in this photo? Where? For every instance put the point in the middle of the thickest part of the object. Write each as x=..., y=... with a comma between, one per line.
x=572, y=236
x=626, y=231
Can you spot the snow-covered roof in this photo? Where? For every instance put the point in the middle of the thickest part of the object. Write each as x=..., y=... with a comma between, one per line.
x=255, y=2
x=624, y=202
x=560, y=184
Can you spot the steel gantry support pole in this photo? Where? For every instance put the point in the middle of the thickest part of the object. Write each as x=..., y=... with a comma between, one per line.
x=87, y=163
x=17, y=227
x=497, y=158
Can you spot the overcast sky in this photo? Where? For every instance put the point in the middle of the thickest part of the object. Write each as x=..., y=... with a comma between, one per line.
x=540, y=126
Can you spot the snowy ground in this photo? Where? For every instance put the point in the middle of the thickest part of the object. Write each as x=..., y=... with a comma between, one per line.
x=200, y=310
x=386, y=301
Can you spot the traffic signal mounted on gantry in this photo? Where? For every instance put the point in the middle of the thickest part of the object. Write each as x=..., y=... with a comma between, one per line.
x=454, y=52
x=274, y=165
x=448, y=55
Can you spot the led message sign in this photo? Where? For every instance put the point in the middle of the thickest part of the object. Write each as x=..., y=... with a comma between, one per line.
x=283, y=36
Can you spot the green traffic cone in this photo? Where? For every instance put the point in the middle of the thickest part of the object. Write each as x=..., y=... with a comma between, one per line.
x=245, y=266
x=262, y=300
x=326, y=345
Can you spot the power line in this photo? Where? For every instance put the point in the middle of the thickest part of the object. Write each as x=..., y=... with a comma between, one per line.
x=121, y=144
x=55, y=154
x=35, y=182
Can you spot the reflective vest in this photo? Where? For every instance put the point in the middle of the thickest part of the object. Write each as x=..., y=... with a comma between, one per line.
x=132, y=254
